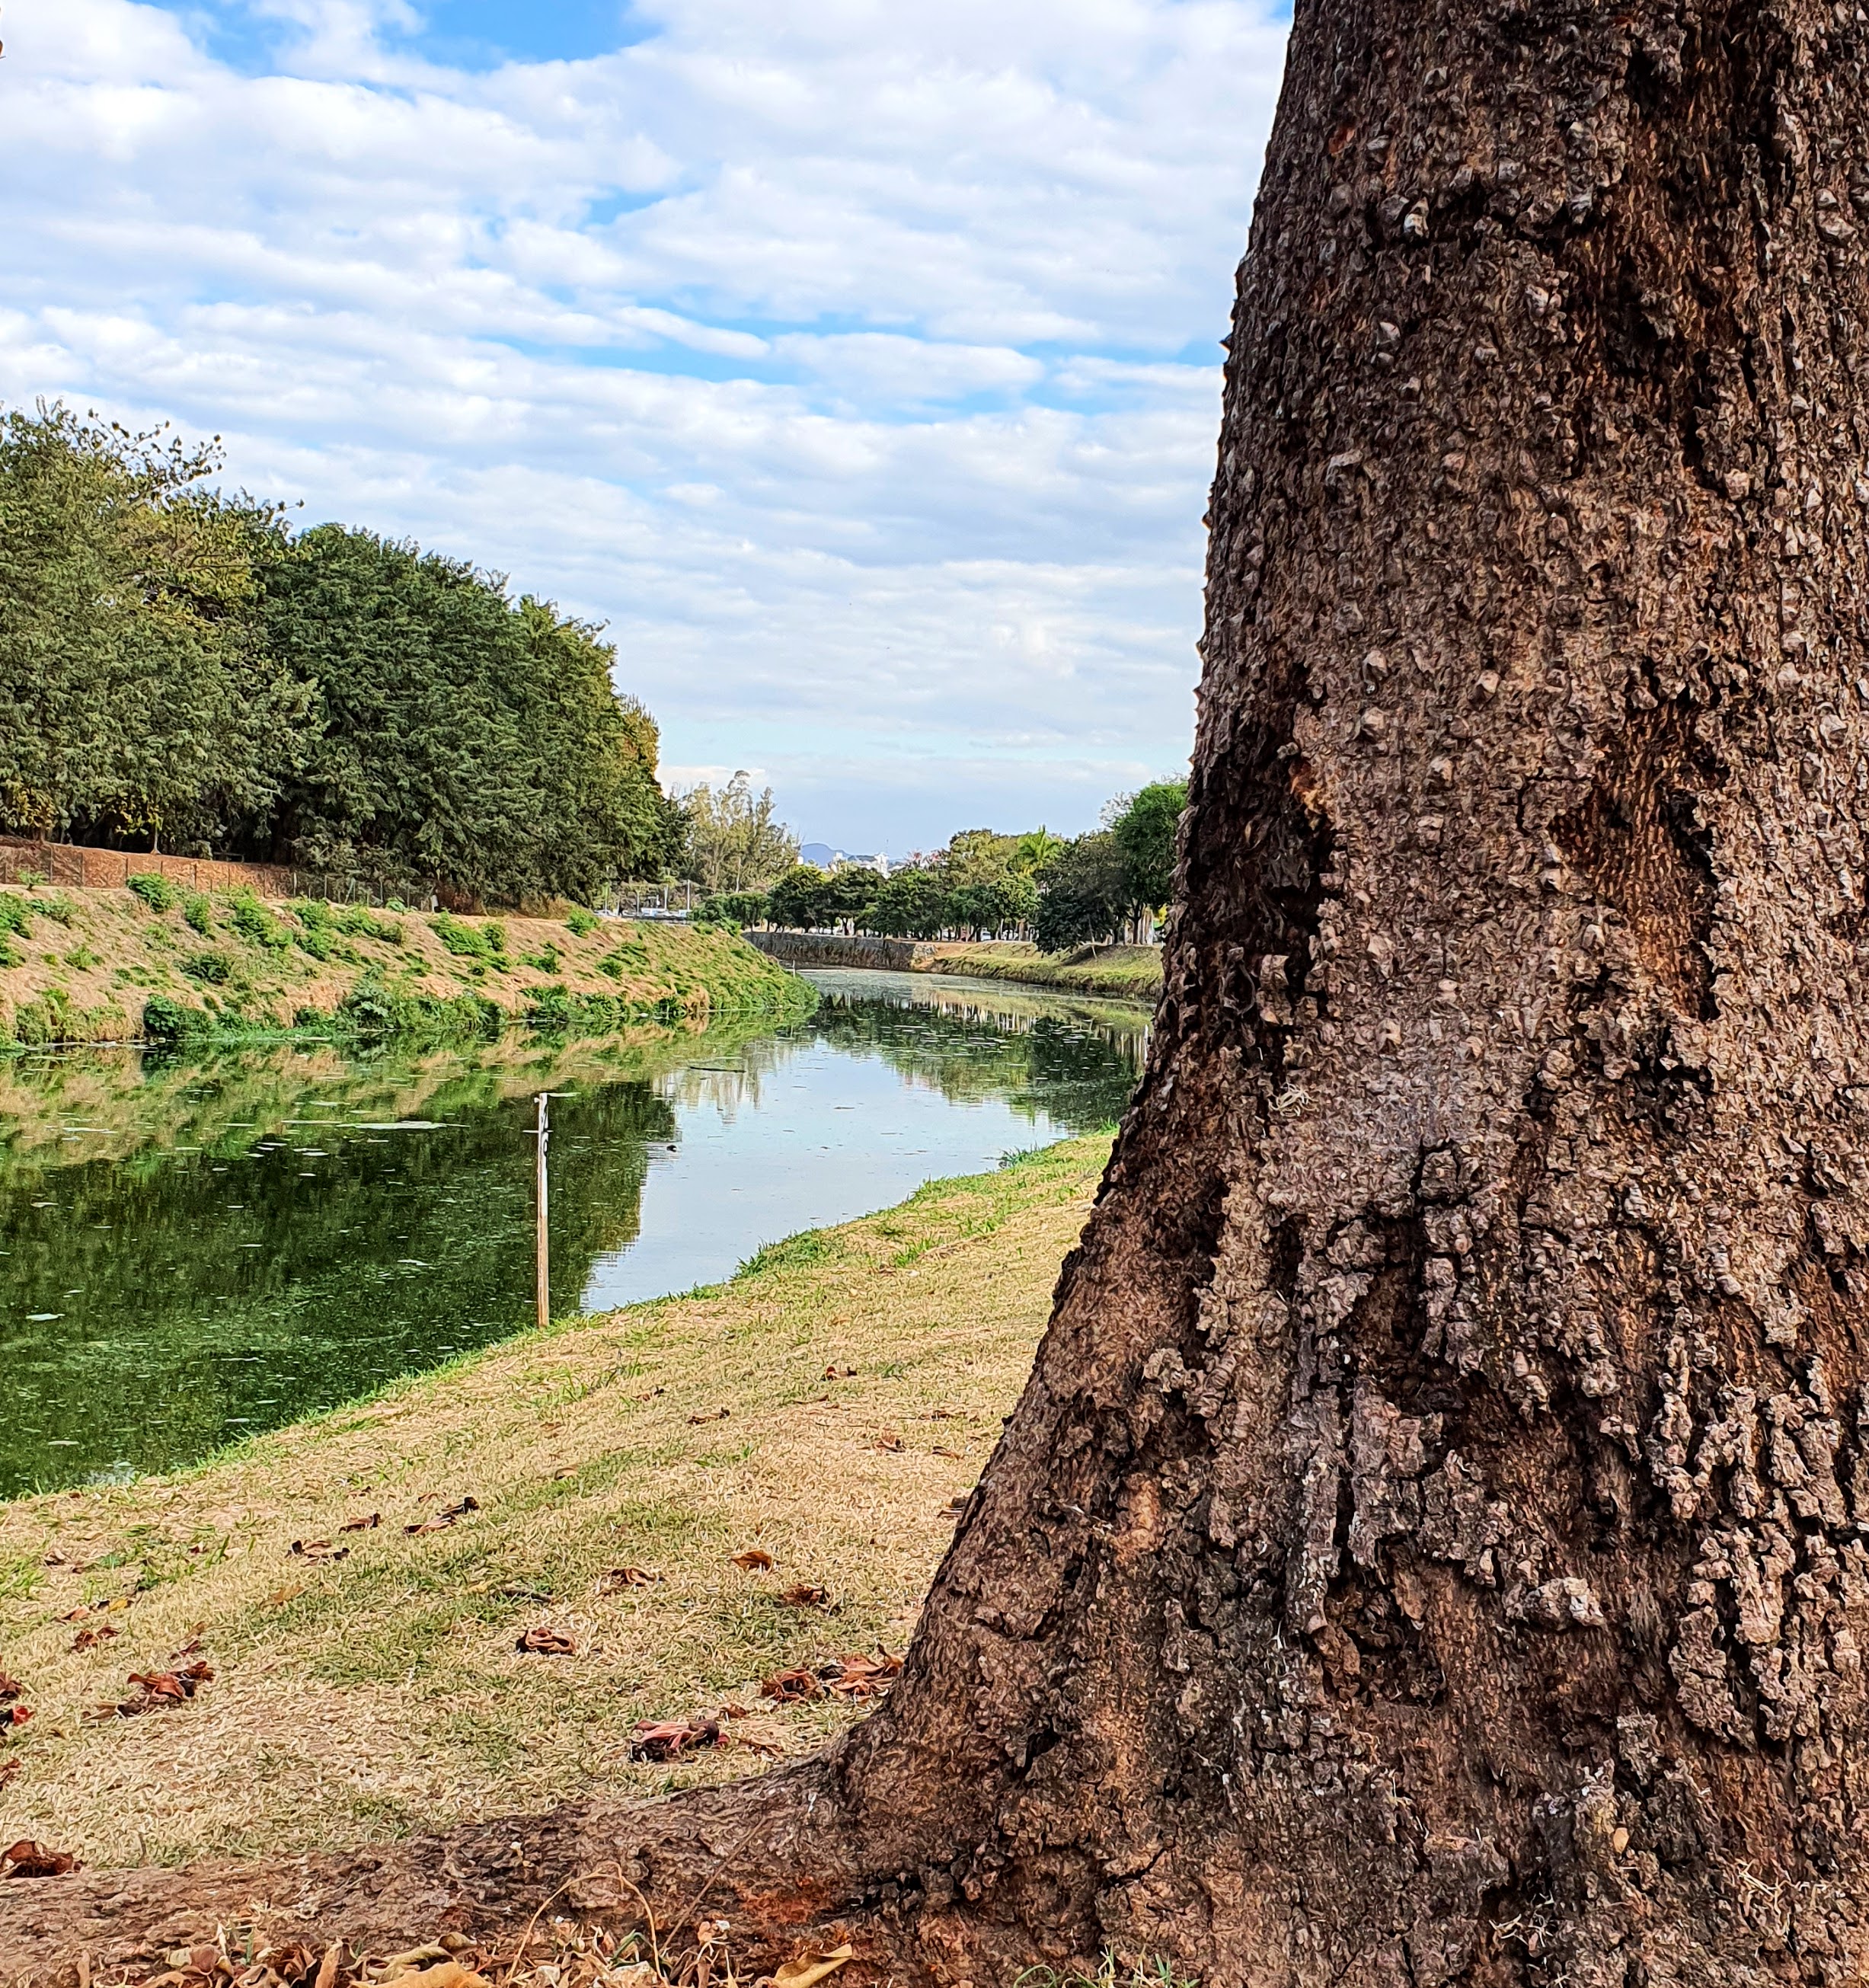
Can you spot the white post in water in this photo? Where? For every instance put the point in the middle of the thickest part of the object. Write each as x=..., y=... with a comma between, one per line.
x=545, y=1216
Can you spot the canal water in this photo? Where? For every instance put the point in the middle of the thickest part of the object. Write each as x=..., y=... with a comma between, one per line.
x=191, y=1251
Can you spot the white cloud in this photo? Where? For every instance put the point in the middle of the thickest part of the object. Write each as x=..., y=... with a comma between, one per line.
x=853, y=361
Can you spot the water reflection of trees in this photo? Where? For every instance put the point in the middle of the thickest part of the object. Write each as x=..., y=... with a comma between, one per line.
x=240, y=1242
x=231, y=1243
x=1075, y=1064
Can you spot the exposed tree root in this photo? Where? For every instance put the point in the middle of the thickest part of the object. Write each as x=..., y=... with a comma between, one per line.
x=771, y=1855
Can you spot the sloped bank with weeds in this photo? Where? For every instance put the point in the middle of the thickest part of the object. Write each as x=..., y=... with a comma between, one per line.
x=669, y=1545
x=153, y=963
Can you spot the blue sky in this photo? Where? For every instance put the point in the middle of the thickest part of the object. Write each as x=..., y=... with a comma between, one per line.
x=855, y=361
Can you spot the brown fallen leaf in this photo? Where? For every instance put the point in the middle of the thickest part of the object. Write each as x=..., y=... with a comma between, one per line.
x=369, y=1525
x=27, y=1859
x=755, y=1559
x=541, y=1641
x=712, y=1415
x=792, y=1687
x=10, y=1689
x=443, y=1974
x=859, y=1676
x=445, y=1518
x=890, y=1441
x=806, y=1595
x=15, y=1715
x=840, y=1373
x=319, y=1550
x=620, y=1577
x=666, y=1739
x=157, y=1690
x=280, y=1596
x=810, y=1969
x=86, y=1639
x=941, y=1449
x=192, y=1647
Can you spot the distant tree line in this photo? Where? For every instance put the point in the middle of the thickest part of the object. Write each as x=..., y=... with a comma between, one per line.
x=1100, y=887
x=180, y=669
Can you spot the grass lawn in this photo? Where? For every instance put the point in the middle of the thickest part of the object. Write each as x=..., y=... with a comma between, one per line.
x=824, y=1409
x=1129, y=972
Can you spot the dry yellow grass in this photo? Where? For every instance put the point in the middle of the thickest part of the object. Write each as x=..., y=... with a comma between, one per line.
x=383, y=1693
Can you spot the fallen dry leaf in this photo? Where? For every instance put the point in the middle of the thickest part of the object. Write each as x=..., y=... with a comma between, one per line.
x=362, y=1525
x=27, y=1859
x=86, y=1639
x=859, y=1676
x=755, y=1559
x=157, y=1690
x=15, y=1715
x=319, y=1550
x=810, y=1969
x=791, y=1687
x=666, y=1738
x=280, y=1596
x=806, y=1595
x=10, y=1689
x=443, y=1974
x=712, y=1415
x=840, y=1373
x=620, y=1577
x=941, y=1449
x=889, y=1440
x=443, y=1519
x=543, y=1642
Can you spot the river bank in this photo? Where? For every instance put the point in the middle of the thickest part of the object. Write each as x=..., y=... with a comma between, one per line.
x=1125, y=973
x=360, y=1583
x=157, y=963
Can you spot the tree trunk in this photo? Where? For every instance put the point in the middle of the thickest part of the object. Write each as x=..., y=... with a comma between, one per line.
x=1429, y=1547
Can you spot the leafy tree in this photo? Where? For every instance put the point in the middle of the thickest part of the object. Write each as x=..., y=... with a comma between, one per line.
x=911, y=903
x=1088, y=896
x=178, y=670
x=732, y=839
x=1035, y=852
x=737, y=908
x=137, y=698
x=800, y=899
x=1144, y=832
x=995, y=907
x=851, y=893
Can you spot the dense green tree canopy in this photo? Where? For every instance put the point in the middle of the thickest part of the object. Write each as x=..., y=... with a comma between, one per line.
x=179, y=671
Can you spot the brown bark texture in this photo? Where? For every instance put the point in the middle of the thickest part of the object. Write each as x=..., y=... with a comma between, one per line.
x=1431, y=1547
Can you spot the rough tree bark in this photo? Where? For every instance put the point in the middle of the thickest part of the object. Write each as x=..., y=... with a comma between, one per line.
x=1431, y=1546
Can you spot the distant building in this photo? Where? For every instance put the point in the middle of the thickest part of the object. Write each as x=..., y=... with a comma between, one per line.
x=821, y=855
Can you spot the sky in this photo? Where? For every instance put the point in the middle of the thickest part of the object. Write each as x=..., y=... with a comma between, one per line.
x=855, y=362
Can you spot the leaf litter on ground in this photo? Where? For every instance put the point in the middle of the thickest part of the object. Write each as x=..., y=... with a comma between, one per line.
x=27, y=1859
x=755, y=1559
x=856, y=1677
x=562, y=1953
x=621, y=1577
x=445, y=1518
x=542, y=1642
x=157, y=1691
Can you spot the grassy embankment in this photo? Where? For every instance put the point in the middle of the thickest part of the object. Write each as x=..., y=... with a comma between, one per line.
x=383, y=1693
x=1132, y=973
x=96, y=965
